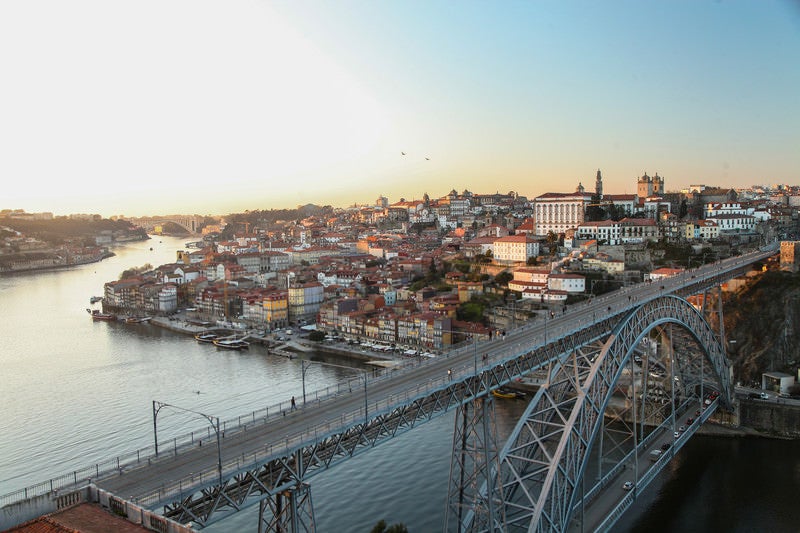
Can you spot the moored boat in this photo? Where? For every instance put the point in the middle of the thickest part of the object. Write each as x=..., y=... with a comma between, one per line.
x=231, y=344
x=206, y=338
x=506, y=394
x=99, y=315
x=137, y=319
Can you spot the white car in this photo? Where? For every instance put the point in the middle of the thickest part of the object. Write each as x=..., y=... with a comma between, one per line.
x=628, y=485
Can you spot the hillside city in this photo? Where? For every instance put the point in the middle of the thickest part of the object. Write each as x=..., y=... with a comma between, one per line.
x=421, y=274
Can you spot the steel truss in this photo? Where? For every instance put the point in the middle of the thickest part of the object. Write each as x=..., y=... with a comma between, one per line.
x=272, y=475
x=288, y=511
x=474, y=500
x=544, y=461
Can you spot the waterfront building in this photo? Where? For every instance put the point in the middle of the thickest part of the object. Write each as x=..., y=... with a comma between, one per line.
x=305, y=300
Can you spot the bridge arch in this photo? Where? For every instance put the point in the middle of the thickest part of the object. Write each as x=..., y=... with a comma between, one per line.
x=550, y=452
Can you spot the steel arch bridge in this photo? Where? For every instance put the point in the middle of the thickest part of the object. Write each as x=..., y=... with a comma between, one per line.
x=592, y=411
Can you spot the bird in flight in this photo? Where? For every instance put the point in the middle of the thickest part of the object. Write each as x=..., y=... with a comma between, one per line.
x=402, y=153
x=427, y=159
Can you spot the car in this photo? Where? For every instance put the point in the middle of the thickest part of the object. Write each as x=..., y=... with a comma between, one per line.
x=665, y=446
x=676, y=434
x=689, y=421
x=764, y=396
x=697, y=413
x=628, y=485
x=682, y=429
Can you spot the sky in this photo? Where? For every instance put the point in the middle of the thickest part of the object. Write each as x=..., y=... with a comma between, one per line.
x=192, y=106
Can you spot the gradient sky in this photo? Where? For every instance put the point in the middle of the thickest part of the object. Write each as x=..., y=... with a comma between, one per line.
x=158, y=106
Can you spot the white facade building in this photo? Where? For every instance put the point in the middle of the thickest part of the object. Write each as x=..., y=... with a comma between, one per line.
x=569, y=283
x=559, y=212
x=515, y=248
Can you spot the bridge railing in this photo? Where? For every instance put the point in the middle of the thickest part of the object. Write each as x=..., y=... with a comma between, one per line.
x=286, y=444
x=175, y=445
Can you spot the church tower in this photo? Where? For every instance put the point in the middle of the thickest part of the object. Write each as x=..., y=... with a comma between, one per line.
x=598, y=185
x=645, y=186
x=658, y=185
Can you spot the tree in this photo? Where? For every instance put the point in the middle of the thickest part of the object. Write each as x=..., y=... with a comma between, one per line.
x=503, y=278
x=380, y=527
x=135, y=271
x=316, y=336
x=683, y=210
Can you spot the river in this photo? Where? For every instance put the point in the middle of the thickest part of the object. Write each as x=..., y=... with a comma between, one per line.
x=75, y=392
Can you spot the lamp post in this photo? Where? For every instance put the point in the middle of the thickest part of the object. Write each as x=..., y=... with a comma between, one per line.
x=213, y=420
x=303, y=372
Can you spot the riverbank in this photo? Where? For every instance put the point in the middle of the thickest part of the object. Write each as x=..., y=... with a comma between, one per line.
x=296, y=345
x=50, y=264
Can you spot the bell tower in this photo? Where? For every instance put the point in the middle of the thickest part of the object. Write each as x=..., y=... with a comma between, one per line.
x=598, y=185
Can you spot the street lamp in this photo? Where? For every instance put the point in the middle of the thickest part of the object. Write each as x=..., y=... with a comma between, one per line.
x=213, y=420
x=303, y=374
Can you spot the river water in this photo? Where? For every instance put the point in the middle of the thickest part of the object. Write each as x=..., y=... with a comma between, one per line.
x=75, y=392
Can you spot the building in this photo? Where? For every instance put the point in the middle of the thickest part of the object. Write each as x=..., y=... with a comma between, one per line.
x=305, y=300
x=648, y=186
x=790, y=255
x=664, y=272
x=514, y=248
x=559, y=212
x=569, y=283
x=777, y=382
x=702, y=230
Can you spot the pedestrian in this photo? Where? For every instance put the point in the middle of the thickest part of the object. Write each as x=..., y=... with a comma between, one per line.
x=450, y=374
x=294, y=404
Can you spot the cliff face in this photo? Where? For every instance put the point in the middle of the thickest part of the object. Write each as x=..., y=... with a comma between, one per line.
x=763, y=318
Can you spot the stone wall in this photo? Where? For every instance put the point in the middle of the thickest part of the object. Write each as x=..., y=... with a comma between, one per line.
x=777, y=419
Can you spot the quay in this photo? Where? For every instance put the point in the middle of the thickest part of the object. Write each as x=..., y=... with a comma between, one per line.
x=286, y=348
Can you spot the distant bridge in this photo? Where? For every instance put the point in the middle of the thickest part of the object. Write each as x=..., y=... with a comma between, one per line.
x=619, y=375
x=190, y=223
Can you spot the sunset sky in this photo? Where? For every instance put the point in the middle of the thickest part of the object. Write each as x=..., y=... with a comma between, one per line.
x=155, y=107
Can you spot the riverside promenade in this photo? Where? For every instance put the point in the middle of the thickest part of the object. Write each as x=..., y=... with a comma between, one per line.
x=286, y=347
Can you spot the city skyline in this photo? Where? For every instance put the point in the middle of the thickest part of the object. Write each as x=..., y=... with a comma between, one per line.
x=198, y=107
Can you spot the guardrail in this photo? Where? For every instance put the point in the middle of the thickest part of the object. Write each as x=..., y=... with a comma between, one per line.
x=84, y=475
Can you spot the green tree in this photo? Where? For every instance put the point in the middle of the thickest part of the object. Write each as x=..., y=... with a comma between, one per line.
x=503, y=277
x=381, y=527
x=470, y=312
x=316, y=336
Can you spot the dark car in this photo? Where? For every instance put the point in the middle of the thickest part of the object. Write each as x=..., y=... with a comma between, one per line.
x=665, y=446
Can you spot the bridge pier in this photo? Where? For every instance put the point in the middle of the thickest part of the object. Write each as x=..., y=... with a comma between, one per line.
x=287, y=511
x=474, y=501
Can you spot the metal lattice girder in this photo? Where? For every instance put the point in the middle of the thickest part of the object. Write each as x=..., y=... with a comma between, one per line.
x=546, y=456
x=474, y=501
x=288, y=511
